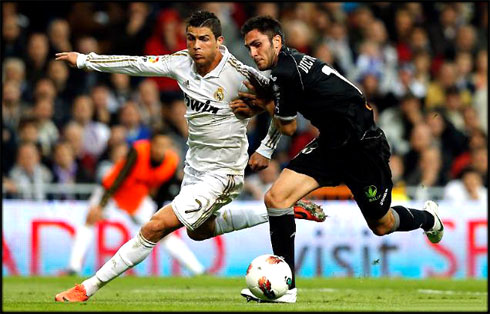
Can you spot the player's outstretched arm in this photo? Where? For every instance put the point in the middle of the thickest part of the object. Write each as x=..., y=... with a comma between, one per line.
x=131, y=65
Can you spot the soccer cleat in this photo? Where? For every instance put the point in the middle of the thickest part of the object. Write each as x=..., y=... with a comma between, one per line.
x=75, y=294
x=437, y=231
x=304, y=209
x=289, y=297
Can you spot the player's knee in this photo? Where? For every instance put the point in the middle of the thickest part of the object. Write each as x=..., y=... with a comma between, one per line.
x=273, y=200
x=380, y=229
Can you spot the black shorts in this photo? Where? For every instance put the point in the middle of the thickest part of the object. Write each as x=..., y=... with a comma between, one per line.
x=361, y=165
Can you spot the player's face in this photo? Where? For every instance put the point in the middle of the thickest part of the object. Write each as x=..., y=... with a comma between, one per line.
x=159, y=145
x=261, y=49
x=202, y=45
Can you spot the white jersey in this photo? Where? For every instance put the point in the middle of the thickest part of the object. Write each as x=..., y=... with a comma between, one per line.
x=217, y=138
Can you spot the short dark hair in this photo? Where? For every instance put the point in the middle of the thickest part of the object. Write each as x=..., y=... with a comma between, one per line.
x=264, y=24
x=205, y=19
x=160, y=131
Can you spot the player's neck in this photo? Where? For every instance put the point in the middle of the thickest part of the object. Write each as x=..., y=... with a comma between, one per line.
x=205, y=69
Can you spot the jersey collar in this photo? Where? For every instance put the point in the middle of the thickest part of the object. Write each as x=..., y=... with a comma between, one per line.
x=217, y=70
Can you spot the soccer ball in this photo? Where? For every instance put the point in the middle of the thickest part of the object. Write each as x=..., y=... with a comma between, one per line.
x=268, y=277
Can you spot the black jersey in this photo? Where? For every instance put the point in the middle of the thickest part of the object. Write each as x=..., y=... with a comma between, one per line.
x=304, y=84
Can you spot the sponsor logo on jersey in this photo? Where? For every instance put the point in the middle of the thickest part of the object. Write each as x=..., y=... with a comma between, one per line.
x=219, y=95
x=199, y=106
x=153, y=59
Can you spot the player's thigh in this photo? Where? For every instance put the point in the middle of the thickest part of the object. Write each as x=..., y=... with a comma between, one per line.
x=368, y=176
x=288, y=188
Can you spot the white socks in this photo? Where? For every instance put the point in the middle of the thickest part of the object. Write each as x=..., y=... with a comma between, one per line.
x=130, y=254
x=83, y=238
x=239, y=218
x=179, y=250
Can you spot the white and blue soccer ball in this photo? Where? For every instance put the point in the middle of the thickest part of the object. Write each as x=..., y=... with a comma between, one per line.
x=268, y=277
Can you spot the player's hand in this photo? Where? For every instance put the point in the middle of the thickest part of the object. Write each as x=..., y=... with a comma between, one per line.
x=253, y=98
x=243, y=109
x=258, y=162
x=94, y=215
x=69, y=57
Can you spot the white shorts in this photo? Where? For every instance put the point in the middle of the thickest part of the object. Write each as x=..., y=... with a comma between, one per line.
x=141, y=216
x=204, y=193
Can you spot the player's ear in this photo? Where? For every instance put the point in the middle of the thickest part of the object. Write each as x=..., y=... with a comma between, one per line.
x=220, y=40
x=276, y=41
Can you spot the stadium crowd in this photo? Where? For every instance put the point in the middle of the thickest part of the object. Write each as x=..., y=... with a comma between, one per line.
x=422, y=66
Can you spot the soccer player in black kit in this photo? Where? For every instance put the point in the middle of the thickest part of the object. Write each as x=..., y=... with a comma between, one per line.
x=350, y=149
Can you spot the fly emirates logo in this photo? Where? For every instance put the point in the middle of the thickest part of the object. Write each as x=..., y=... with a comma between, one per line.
x=199, y=106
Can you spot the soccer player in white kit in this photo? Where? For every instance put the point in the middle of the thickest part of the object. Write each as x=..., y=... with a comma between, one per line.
x=210, y=78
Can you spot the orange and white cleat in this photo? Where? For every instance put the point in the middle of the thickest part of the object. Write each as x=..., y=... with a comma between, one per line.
x=305, y=209
x=75, y=294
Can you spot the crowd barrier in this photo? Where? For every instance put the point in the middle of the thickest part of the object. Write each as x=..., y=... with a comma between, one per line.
x=37, y=238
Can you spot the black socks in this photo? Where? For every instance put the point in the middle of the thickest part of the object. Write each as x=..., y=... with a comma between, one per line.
x=411, y=219
x=283, y=231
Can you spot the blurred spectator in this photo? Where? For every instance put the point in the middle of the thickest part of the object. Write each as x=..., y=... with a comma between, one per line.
x=9, y=147
x=148, y=99
x=369, y=61
x=258, y=183
x=398, y=122
x=12, y=105
x=466, y=39
x=130, y=35
x=59, y=36
x=443, y=31
x=446, y=78
x=468, y=188
x=66, y=171
x=420, y=140
x=339, y=43
x=421, y=68
x=28, y=130
x=377, y=33
x=454, y=107
x=118, y=136
x=298, y=35
x=48, y=133
x=117, y=152
x=477, y=140
x=168, y=37
x=464, y=67
x=14, y=69
x=404, y=83
x=13, y=42
x=73, y=134
x=130, y=118
x=403, y=27
x=95, y=134
x=448, y=139
x=37, y=57
x=480, y=81
x=105, y=104
x=29, y=175
x=267, y=8
x=428, y=173
x=479, y=161
x=121, y=88
x=86, y=80
x=359, y=21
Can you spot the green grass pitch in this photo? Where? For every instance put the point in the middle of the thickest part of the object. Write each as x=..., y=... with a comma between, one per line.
x=217, y=294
